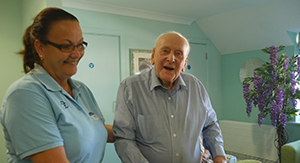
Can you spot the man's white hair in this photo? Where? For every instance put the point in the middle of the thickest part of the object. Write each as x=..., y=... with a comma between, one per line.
x=174, y=32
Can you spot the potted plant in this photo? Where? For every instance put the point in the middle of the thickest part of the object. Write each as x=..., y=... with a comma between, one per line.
x=274, y=92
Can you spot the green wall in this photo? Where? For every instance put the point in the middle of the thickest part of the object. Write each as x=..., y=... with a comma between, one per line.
x=15, y=15
x=234, y=106
x=10, y=42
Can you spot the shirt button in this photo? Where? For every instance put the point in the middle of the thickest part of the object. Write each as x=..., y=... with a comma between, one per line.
x=177, y=154
x=169, y=98
x=172, y=116
x=174, y=135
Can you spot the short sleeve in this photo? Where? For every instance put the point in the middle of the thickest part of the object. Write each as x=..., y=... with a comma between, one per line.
x=30, y=122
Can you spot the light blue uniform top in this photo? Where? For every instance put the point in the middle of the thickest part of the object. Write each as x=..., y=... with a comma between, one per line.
x=158, y=126
x=37, y=115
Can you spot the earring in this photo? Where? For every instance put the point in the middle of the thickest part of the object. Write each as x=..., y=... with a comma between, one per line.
x=41, y=57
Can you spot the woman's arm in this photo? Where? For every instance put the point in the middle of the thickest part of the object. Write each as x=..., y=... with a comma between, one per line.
x=110, y=137
x=205, y=156
x=57, y=154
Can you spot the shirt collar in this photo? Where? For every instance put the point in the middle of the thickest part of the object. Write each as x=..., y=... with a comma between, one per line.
x=178, y=83
x=49, y=83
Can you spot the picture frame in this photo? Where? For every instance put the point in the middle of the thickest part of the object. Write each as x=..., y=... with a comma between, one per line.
x=140, y=61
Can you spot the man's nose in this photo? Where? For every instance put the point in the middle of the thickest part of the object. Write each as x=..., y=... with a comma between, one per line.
x=171, y=57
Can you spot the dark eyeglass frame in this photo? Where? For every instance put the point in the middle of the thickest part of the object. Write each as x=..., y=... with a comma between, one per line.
x=66, y=47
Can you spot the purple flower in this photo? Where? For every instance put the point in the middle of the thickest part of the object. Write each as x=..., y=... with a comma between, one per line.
x=257, y=81
x=286, y=63
x=293, y=83
x=274, y=112
x=298, y=64
x=246, y=90
x=282, y=119
x=292, y=75
x=249, y=107
x=294, y=102
x=260, y=118
x=267, y=90
x=247, y=98
x=273, y=55
x=279, y=97
x=261, y=103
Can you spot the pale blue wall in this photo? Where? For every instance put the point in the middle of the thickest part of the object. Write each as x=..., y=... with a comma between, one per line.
x=234, y=106
x=141, y=34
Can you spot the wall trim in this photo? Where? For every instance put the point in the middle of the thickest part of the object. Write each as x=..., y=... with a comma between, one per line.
x=100, y=7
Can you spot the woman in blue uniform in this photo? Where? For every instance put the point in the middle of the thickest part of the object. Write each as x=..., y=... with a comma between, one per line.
x=46, y=115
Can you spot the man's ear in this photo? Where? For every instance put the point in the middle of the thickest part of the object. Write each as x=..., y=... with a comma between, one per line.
x=152, y=56
x=185, y=64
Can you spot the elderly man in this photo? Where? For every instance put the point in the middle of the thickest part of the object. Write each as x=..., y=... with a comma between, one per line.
x=161, y=114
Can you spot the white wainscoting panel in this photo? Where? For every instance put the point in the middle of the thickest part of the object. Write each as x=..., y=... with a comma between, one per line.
x=249, y=138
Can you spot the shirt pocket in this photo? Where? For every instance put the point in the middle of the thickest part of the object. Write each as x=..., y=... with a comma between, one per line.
x=151, y=127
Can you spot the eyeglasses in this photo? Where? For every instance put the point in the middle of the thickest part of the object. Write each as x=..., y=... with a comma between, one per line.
x=68, y=47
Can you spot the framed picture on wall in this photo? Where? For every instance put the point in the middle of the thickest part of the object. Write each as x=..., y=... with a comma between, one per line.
x=140, y=61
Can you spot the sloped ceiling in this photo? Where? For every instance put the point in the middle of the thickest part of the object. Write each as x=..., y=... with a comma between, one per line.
x=231, y=25
x=253, y=27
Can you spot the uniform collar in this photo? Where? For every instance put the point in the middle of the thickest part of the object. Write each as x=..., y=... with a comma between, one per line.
x=49, y=83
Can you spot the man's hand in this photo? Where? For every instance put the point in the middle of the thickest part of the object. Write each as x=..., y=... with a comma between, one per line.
x=220, y=159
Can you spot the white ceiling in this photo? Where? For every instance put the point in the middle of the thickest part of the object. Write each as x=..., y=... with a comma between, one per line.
x=231, y=25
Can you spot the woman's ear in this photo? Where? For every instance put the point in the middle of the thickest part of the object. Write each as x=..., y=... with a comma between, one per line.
x=39, y=47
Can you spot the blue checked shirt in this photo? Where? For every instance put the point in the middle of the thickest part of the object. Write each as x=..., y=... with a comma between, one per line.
x=158, y=126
